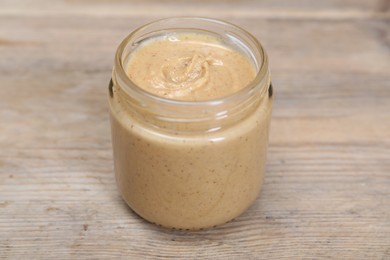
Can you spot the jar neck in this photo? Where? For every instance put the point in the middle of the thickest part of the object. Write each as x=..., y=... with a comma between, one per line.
x=189, y=116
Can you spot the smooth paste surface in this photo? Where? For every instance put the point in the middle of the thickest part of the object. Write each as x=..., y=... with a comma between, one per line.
x=190, y=67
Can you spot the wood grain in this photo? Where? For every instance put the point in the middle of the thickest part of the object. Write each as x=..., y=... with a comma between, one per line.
x=327, y=189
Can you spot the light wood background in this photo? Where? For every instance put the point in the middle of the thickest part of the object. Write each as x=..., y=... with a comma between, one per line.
x=327, y=189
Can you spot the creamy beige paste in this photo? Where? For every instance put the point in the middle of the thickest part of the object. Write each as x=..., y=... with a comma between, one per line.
x=196, y=179
x=189, y=67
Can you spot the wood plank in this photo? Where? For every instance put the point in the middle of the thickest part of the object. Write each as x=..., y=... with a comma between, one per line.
x=334, y=75
x=332, y=9
x=78, y=210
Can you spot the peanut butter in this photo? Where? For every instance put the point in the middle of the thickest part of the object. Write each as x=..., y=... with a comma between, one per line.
x=189, y=67
x=189, y=179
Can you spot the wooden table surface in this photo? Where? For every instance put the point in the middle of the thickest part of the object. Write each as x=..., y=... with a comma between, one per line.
x=327, y=187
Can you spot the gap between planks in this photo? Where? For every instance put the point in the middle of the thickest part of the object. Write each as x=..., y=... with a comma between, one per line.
x=160, y=11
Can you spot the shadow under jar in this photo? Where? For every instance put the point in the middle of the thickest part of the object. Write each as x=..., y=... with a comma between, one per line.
x=190, y=164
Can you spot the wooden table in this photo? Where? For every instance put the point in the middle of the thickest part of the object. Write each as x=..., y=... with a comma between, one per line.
x=327, y=189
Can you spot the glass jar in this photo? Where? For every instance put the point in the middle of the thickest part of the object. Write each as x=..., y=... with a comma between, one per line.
x=190, y=164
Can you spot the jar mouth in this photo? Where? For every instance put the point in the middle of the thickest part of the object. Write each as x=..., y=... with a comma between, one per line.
x=255, y=86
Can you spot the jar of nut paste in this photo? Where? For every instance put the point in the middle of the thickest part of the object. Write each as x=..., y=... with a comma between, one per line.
x=192, y=160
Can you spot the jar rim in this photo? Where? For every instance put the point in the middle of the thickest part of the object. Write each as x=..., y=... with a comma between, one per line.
x=253, y=85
